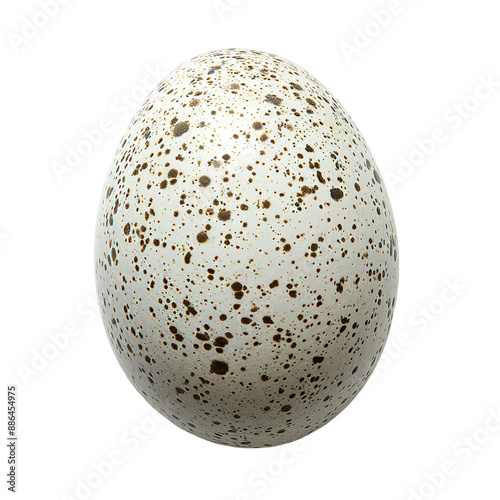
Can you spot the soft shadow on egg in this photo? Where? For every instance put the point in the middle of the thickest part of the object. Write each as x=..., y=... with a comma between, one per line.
x=246, y=253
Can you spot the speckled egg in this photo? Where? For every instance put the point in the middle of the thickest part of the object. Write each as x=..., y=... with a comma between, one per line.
x=246, y=254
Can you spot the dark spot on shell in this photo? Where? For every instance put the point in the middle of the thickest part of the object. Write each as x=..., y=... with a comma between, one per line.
x=163, y=184
x=376, y=175
x=220, y=342
x=257, y=125
x=286, y=408
x=204, y=181
x=126, y=229
x=267, y=320
x=202, y=237
x=336, y=193
x=224, y=214
x=181, y=128
x=190, y=308
x=236, y=286
x=187, y=258
x=318, y=359
x=274, y=284
x=172, y=173
x=219, y=367
x=273, y=99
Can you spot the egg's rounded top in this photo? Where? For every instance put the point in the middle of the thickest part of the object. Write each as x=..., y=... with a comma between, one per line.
x=246, y=251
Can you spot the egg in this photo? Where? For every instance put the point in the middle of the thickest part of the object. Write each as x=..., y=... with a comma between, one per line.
x=246, y=255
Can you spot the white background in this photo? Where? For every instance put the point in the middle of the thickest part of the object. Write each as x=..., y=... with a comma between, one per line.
x=414, y=83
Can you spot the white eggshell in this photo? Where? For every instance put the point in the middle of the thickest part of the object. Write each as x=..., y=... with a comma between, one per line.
x=246, y=256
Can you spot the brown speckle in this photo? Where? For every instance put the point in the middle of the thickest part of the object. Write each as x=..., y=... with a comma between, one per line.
x=181, y=128
x=204, y=181
x=336, y=193
x=202, y=237
x=273, y=99
x=224, y=215
x=219, y=367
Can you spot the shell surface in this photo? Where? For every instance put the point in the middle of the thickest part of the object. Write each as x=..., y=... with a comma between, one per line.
x=246, y=254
